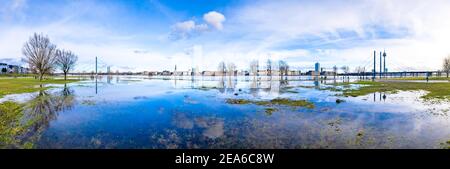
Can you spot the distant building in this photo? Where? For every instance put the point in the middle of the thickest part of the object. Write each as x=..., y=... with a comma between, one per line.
x=166, y=73
x=246, y=73
x=23, y=70
x=3, y=68
x=327, y=73
x=294, y=72
x=317, y=68
x=208, y=73
x=152, y=73
x=13, y=69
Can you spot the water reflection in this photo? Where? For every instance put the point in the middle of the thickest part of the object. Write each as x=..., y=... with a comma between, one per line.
x=210, y=127
x=36, y=115
x=191, y=112
x=381, y=96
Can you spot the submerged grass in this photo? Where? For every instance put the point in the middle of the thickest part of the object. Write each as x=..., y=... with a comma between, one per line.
x=435, y=90
x=446, y=145
x=277, y=101
x=27, y=85
x=11, y=125
x=238, y=101
x=270, y=110
x=420, y=78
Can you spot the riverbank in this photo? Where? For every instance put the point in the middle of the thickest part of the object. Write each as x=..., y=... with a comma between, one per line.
x=9, y=85
x=421, y=78
x=438, y=90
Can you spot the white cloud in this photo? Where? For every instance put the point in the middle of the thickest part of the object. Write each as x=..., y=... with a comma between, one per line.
x=215, y=19
x=414, y=33
x=186, y=29
x=189, y=28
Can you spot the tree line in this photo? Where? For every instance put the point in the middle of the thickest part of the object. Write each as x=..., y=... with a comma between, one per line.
x=43, y=57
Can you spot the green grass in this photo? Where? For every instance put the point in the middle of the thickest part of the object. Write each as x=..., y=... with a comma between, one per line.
x=420, y=78
x=446, y=145
x=238, y=101
x=10, y=124
x=277, y=101
x=16, y=75
x=270, y=110
x=435, y=90
x=27, y=85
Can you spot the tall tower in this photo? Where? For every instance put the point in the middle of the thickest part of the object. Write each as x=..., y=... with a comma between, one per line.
x=317, y=68
x=374, y=63
x=175, y=71
x=384, y=55
x=96, y=65
x=381, y=65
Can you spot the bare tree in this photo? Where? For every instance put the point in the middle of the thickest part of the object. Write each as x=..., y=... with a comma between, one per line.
x=231, y=68
x=284, y=67
x=39, y=53
x=345, y=69
x=269, y=67
x=254, y=67
x=446, y=65
x=222, y=68
x=335, y=69
x=360, y=71
x=66, y=61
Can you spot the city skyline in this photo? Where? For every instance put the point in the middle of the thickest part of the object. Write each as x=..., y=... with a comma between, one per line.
x=156, y=35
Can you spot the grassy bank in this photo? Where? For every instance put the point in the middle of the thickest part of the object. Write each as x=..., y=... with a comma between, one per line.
x=435, y=90
x=27, y=84
x=16, y=75
x=277, y=101
x=420, y=78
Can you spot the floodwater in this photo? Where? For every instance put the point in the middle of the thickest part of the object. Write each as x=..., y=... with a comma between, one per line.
x=192, y=112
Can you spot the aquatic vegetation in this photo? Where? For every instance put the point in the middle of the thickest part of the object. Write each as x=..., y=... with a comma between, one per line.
x=205, y=88
x=288, y=102
x=435, y=90
x=335, y=124
x=130, y=80
x=292, y=91
x=360, y=134
x=308, y=87
x=338, y=101
x=289, y=91
x=189, y=100
x=140, y=97
x=446, y=145
x=88, y=102
x=333, y=87
x=270, y=110
x=238, y=101
x=276, y=101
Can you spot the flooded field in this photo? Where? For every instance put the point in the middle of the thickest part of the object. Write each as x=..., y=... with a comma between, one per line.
x=223, y=112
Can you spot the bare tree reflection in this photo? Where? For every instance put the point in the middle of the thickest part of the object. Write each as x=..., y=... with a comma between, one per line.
x=44, y=108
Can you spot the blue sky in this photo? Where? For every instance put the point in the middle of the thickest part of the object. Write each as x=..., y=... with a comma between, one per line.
x=154, y=35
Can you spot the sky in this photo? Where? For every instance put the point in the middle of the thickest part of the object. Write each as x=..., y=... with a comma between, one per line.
x=152, y=35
